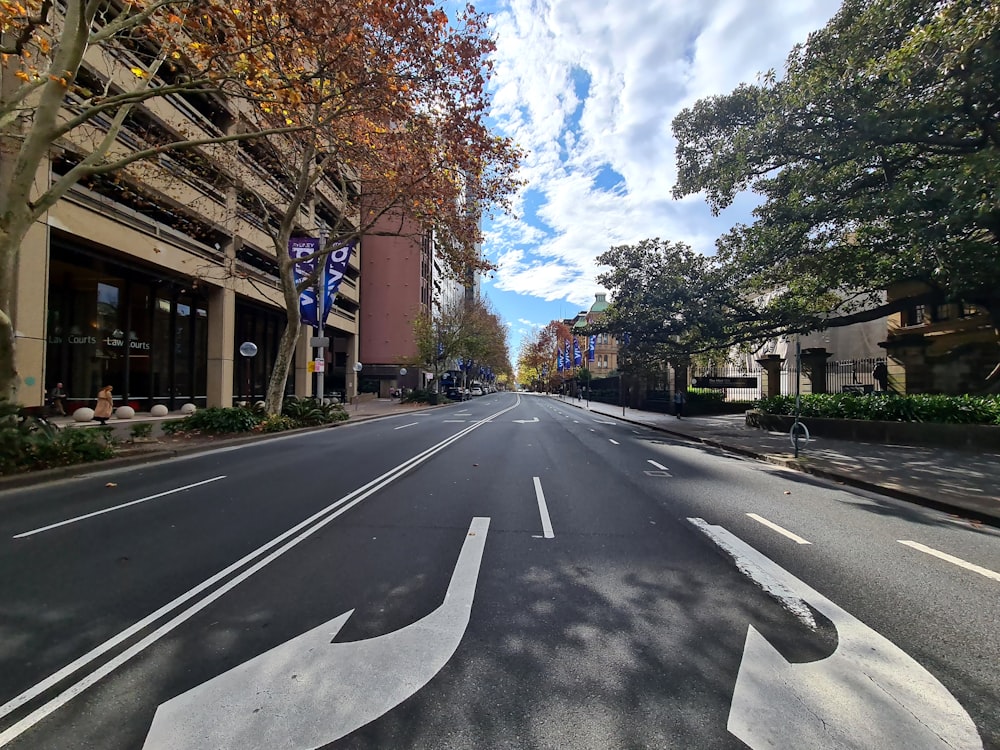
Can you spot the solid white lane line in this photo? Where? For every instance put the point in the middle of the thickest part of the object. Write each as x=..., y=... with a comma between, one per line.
x=116, y=507
x=615, y=442
x=405, y=425
x=952, y=559
x=543, y=510
x=661, y=467
x=784, y=532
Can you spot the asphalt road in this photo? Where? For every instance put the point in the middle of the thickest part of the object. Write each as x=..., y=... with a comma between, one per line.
x=507, y=572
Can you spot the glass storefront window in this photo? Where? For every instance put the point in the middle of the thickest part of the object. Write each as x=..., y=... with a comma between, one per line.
x=119, y=326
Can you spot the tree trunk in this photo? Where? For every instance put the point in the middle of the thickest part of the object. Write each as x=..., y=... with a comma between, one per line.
x=10, y=244
x=289, y=338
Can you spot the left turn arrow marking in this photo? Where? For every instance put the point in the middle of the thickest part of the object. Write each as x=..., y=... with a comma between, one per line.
x=309, y=691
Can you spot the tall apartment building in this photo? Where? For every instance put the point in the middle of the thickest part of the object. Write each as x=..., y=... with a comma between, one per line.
x=150, y=281
x=403, y=276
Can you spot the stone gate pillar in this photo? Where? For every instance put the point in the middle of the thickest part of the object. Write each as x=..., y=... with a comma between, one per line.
x=814, y=366
x=771, y=364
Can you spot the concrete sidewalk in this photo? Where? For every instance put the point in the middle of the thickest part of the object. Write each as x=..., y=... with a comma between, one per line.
x=961, y=482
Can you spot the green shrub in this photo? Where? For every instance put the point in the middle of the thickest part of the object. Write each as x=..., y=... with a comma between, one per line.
x=888, y=407
x=173, y=426
x=276, y=423
x=70, y=446
x=215, y=420
x=141, y=430
x=416, y=396
x=705, y=396
x=307, y=412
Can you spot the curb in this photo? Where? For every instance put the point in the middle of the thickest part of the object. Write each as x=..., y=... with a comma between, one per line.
x=41, y=476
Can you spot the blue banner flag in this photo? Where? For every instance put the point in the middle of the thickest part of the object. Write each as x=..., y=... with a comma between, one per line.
x=559, y=360
x=300, y=247
x=333, y=274
x=577, y=354
x=336, y=266
x=567, y=357
x=592, y=348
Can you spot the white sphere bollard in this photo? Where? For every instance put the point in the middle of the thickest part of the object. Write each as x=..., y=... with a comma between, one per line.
x=188, y=408
x=259, y=405
x=83, y=414
x=158, y=411
x=124, y=412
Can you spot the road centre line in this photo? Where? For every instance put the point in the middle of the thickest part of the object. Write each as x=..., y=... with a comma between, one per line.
x=614, y=442
x=39, y=530
x=303, y=530
x=661, y=467
x=543, y=510
x=773, y=526
x=402, y=426
x=952, y=559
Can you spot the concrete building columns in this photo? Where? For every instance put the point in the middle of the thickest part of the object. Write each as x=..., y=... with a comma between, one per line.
x=221, y=330
x=29, y=316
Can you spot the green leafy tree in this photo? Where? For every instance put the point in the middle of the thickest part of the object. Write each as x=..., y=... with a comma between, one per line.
x=876, y=156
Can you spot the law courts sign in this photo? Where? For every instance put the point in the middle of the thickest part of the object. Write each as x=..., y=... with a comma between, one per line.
x=713, y=381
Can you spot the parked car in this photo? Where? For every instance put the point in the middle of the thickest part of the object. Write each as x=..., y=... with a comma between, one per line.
x=476, y=391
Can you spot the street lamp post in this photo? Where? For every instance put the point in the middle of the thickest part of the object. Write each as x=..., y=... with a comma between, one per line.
x=357, y=370
x=248, y=350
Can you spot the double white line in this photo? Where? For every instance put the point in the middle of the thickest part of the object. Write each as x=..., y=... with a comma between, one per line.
x=249, y=564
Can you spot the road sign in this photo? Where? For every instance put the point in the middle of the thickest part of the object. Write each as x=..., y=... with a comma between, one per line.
x=321, y=341
x=718, y=381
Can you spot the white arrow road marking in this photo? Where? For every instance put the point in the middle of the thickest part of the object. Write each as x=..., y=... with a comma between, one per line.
x=116, y=507
x=525, y=421
x=952, y=559
x=868, y=693
x=309, y=692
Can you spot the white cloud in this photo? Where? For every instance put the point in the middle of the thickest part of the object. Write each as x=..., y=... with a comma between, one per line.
x=586, y=85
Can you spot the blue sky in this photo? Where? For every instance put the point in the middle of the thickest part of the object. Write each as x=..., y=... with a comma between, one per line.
x=588, y=88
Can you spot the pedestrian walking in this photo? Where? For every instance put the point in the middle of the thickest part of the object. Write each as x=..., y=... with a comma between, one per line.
x=880, y=374
x=56, y=397
x=105, y=405
x=679, y=399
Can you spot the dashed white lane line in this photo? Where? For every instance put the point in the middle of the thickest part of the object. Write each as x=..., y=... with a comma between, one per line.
x=405, y=425
x=952, y=559
x=784, y=532
x=661, y=467
x=116, y=507
x=600, y=422
x=454, y=421
x=543, y=510
x=613, y=442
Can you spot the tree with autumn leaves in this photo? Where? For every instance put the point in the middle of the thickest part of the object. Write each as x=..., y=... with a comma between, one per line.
x=537, y=361
x=469, y=331
x=393, y=138
x=384, y=100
